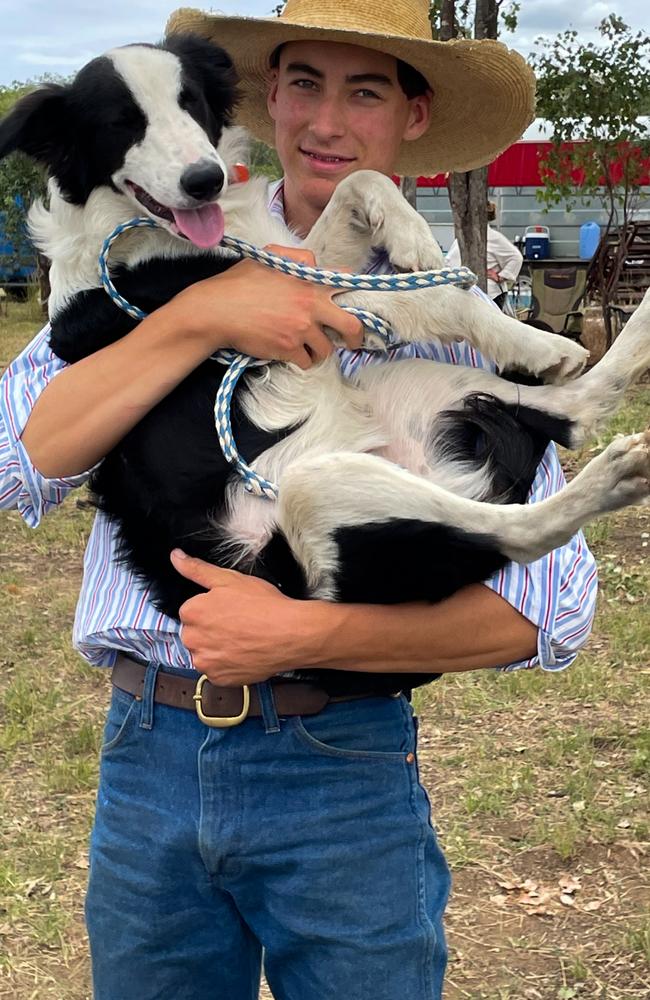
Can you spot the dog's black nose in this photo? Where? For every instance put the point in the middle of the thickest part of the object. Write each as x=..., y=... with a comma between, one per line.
x=202, y=180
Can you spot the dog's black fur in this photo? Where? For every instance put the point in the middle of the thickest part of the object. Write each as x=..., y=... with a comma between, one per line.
x=167, y=478
x=81, y=131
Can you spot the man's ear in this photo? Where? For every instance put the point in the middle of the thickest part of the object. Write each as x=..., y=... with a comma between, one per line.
x=38, y=125
x=419, y=116
x=272, y=93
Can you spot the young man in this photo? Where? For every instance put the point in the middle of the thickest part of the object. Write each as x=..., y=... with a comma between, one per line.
x=307, y=835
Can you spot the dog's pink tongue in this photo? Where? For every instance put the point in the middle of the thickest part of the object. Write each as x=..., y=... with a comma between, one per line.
x=203, y=226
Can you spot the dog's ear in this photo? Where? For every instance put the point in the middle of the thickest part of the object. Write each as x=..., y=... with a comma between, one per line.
x=211, y=68
x=36, y=125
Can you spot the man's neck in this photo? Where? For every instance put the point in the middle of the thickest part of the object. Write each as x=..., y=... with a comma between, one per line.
x=299, y=214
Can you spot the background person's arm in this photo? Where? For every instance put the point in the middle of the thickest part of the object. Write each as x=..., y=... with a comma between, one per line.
x=503, y=257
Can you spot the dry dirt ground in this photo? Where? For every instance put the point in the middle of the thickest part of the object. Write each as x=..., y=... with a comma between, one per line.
x=538, y=782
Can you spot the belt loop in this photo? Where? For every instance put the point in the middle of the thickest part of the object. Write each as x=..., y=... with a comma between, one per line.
x=148, y=691
x=267, y=704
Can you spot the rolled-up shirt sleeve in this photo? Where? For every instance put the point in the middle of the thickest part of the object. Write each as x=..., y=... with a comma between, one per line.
x=556, y=593
x=22, y=487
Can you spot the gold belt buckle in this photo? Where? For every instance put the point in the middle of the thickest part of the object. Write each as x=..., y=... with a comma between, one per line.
x=218, y=721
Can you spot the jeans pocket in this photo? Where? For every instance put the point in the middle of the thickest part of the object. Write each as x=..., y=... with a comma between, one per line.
x=122, y=715
x=368, y=728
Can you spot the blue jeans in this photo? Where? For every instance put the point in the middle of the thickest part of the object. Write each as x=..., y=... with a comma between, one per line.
x=306, y=839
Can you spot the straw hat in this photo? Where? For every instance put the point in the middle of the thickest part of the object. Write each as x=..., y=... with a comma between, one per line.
x=483, y=93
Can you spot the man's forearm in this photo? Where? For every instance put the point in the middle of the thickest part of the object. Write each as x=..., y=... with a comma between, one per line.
x=245, y=630
x=474, y=628
x=92, y=404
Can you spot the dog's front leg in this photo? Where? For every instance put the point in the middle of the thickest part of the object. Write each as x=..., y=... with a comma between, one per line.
x=446, y=314
x=367, y=211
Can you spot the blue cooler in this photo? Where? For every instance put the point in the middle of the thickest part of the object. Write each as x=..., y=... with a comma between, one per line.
x=537, y=243
x=589, y=239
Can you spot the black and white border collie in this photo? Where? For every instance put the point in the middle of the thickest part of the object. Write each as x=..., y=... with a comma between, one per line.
x=405, y=484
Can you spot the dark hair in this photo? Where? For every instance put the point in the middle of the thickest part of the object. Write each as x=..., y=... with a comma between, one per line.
x=410, y=79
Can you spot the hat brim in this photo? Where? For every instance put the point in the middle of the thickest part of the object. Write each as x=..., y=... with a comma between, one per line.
x=483, y=92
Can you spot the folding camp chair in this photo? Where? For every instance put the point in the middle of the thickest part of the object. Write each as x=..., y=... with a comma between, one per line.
x=557, y=291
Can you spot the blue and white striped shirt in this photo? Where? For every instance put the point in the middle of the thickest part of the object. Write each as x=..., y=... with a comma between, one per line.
x=114, y=613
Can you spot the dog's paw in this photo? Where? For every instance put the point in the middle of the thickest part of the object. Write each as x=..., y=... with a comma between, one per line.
x=414, y=248
x=378, y=207
x=407, y=239
x=555, y=359
x=622, y=471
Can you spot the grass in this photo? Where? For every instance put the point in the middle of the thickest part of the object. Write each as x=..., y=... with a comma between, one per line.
x=533, y=778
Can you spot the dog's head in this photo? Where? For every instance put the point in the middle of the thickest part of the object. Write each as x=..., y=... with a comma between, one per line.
x=143, y=120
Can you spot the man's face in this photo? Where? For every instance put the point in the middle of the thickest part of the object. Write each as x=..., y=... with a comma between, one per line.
x=339, y=108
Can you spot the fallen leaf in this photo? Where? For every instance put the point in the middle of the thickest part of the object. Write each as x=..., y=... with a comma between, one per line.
x=568, y=883
x=567, y=900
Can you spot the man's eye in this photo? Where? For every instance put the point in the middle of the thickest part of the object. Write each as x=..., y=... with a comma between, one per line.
x=304, y=84
x=367, y=93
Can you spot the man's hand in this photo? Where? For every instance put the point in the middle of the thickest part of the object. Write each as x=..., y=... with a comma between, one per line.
x=243, y=630
x=494, y=275
x=267, y=314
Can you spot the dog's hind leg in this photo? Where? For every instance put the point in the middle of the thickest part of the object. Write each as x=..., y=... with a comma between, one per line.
x=361, y=528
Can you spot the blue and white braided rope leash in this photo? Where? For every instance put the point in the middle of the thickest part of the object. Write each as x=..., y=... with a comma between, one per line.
x=238, y=363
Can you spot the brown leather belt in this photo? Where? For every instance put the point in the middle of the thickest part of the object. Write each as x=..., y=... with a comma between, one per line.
x=223, y=707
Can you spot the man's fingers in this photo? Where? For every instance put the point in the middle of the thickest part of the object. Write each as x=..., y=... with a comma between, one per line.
x=201, y=572
x=298, y=254
x=302, y=358
x=348, y=327
x=319, y=346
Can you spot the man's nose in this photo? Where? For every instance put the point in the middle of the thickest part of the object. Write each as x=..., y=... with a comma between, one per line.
x=202, y=180
x=328, y=120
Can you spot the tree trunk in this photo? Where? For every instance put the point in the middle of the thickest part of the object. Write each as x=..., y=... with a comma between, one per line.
x=448, y=20
x=409, y=188
x=468, y=191
x=468, y=196
x=486, y=19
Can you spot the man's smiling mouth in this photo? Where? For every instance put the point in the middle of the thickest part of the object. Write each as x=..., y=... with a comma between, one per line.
x=326, y=157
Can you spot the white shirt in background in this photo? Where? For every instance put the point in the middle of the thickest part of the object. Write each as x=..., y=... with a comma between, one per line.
x=502, y=257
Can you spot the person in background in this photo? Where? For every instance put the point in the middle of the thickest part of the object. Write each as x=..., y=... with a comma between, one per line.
x=503, y=260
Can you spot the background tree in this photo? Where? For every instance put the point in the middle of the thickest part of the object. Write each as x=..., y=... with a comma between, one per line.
x=594, y=95
x=468, y=190
x=21, y=180
x=264, y=160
